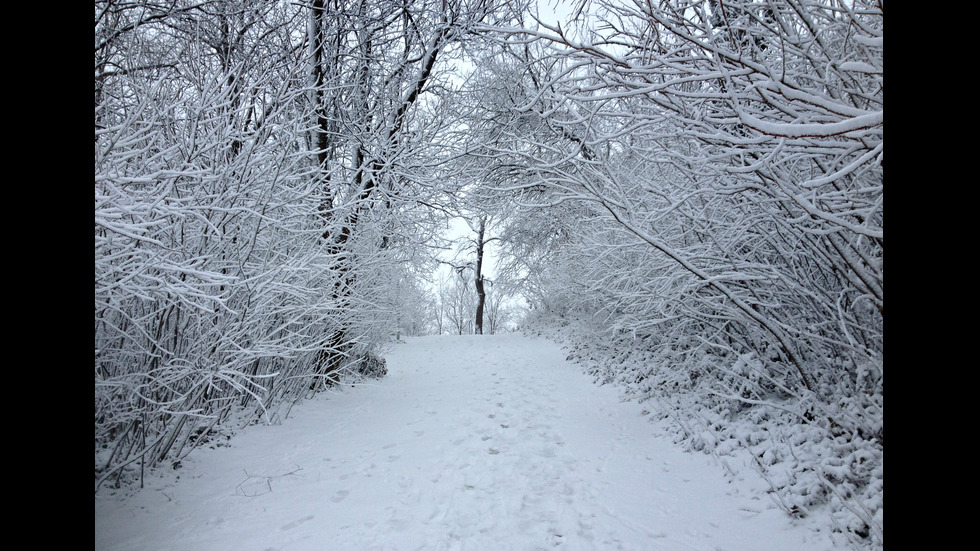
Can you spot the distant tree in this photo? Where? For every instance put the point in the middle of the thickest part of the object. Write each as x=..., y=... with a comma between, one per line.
x=498, y=314
x=458, y=300
x=479, y=241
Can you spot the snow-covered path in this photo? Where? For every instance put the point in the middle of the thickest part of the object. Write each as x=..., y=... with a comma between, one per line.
x=470, y=443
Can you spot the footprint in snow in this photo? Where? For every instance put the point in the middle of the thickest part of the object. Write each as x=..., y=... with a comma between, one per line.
x=295, y=523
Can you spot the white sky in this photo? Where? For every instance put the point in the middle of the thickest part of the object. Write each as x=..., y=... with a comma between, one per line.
x=553, y=11
x=470, y=443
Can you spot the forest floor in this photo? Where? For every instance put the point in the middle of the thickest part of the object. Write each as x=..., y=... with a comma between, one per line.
x=470, y=443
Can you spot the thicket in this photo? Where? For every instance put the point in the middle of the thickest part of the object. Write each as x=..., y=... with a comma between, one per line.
x=705, y=183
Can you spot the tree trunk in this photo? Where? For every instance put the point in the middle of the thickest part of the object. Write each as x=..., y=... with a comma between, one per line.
x=480, y=292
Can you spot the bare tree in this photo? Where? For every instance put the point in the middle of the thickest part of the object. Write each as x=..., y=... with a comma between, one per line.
x=479, y=241
x=457, y=301
x=498, y=313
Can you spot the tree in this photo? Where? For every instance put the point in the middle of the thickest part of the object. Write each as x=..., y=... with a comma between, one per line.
x=479, y=226
x=389, y=51
x=457, y=299
x=498, y=313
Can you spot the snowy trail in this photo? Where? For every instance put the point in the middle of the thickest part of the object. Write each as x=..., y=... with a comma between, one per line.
x=469, y=443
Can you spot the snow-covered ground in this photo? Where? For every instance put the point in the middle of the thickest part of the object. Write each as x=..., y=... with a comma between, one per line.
x=490, y=442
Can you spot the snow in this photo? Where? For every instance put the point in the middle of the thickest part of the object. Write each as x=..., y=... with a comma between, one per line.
x=860, y=67
x=471, y=442
x=852, y=124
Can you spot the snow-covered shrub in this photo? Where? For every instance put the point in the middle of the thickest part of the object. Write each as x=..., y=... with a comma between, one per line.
x=814, y=454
